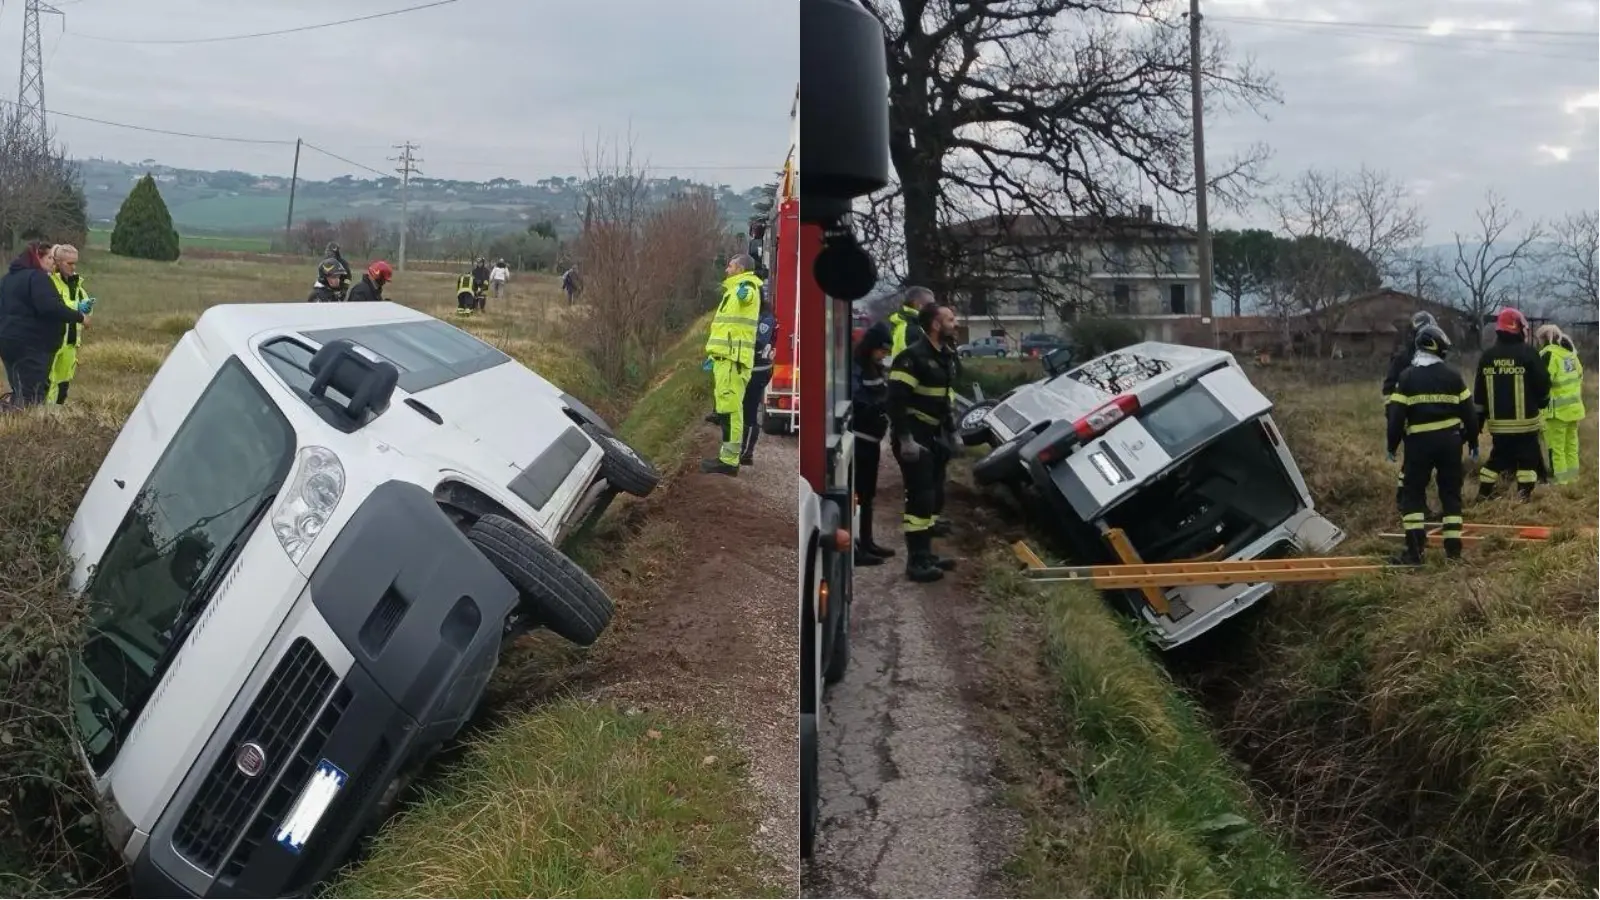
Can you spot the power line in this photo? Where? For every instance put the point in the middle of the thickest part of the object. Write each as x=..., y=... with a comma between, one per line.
x=482, y=164
x=148, y=129
x=351, y=162
x=1396, y=26
x=1439, y=42
x=260, y=34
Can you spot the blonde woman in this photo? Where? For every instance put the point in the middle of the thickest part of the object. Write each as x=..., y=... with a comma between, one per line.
x=1565, y=409
x=69, y=284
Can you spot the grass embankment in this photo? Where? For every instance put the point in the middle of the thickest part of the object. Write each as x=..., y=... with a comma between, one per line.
x=602, y=802
x=1430, y=732
x=1122, y=790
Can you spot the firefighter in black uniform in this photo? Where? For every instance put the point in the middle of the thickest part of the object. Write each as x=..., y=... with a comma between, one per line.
x=869, y=418
x=1399, y=361
x=1511, y=387
x=1431, y=412
x=921, y=388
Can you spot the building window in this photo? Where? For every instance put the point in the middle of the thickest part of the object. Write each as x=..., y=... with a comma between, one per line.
x=1121, y=300
x=1027, y=303
x=1178, y=301
x=980, y=302
x=1119, y=256
x=1178, y=257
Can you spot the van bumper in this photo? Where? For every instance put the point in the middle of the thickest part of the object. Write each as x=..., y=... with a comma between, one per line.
x=372, y=739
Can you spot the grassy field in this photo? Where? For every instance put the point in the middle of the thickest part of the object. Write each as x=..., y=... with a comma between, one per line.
x=559, y=797
x=100, y=239
x=1424, y=733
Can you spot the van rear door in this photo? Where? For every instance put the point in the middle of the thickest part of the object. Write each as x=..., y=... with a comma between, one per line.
x=1116, y=465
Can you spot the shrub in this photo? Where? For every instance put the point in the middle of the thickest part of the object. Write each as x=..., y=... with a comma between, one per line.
x=1094, y=337
x=143, y=228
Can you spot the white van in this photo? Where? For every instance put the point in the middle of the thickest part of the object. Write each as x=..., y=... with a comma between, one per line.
x=1173, y=446
x=301, y=558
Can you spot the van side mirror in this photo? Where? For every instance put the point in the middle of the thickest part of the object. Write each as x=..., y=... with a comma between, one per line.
x=1058, y=360
x=368, y=382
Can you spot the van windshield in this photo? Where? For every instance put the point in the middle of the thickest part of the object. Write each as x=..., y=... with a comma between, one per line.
x=204, y=497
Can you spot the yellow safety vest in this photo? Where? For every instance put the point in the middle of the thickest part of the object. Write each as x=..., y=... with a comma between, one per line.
x=74, y=336
x=1566, y=383
x=464, y=285
x=900, y=321
x=733, y=329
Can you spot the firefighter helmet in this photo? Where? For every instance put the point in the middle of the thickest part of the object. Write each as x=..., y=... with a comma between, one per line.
x=1432, y=339
x=380, y=272
x=1511, y=321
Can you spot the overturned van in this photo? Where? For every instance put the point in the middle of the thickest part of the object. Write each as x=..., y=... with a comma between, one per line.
x=1157, y=453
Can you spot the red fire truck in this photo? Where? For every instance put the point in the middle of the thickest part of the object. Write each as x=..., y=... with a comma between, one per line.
x=781, y=406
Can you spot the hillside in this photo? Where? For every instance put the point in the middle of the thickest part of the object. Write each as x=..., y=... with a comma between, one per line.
x=230, y=202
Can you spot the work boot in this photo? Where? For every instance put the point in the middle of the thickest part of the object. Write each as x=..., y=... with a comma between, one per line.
x=713, y=418
x=941, y=528
x=1486, y=490
x=945, y=563
x=920, y=566
x=865, y=543
x=1416, y=542
x=864, y=557
x=1452, y=549
x=1525, y=492
x=718, y=467
x=746, y=460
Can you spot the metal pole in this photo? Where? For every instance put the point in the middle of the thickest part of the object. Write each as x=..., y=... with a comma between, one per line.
x=288, y=222
x=1202, y=226
x=407, y=168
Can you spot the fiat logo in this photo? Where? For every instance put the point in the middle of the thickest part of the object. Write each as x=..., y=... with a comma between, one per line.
x=250, y=760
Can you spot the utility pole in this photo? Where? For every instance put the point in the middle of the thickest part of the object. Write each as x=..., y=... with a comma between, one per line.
x=407, y=168
x=30, y=82
x=288, y=223
x=1202, y=226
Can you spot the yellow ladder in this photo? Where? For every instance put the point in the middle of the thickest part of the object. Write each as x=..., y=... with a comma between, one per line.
x=1472, y=533
x=1150, y=576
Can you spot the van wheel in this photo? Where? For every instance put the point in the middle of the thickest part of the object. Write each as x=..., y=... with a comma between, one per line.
x=838, y=661
x=971, y=428
x=555, y=592
x=623, y=467
x=810, y=801
x=1003, y=464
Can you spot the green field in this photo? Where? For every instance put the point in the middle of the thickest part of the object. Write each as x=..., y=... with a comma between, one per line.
x=100, y=239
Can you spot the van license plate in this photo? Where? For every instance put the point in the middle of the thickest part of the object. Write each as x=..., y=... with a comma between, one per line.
x=310, y=806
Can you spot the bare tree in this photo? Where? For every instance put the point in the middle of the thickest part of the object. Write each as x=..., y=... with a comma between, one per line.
x=1488, y=260
x=421, y=224
x=40, y=192
x=1573, y=276
x=1053, y=110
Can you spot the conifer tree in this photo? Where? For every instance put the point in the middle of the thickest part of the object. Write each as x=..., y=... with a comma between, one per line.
x=143, y=228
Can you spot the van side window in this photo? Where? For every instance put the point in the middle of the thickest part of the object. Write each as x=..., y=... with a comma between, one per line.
x=291, y=361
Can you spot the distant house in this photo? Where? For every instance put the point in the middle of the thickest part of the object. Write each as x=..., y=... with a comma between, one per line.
x=1366, y=325
x=1131, y=267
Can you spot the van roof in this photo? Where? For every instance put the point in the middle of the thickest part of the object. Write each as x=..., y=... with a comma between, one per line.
x=1136, y=369
x=233, y=324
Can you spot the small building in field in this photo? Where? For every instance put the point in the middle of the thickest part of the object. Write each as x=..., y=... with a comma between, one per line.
x=1370, y=324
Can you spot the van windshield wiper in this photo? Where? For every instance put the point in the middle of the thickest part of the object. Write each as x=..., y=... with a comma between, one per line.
x=189, y=612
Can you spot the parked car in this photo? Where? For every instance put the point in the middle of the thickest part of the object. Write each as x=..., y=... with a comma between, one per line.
x=1174, y=446
x=302, y=557
x=1040, y=344
x=991, y=345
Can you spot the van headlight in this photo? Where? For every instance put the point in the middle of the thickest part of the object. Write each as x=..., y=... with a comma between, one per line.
x=309, y=502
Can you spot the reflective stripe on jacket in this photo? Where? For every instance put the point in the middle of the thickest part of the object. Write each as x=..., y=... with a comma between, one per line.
x=733, y=328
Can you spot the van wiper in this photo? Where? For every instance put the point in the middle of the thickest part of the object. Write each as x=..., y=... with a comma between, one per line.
x=189, y=612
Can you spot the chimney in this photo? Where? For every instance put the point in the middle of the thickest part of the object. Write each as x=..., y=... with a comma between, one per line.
x=1145, y=212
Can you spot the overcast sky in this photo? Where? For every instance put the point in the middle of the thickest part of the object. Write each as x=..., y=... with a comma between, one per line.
x=510, y=88
x=1451, y=112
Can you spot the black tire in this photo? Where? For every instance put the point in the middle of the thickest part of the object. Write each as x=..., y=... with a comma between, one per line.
x=810, y=798
x=973, y=435
x=966, y=354
x=623, y=468
x=555, y=592
x=774, y=425
x=1003, y=463
x=839, y=659
x=1001, y=354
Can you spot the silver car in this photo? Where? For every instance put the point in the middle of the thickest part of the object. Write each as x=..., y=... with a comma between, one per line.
x=992, y=345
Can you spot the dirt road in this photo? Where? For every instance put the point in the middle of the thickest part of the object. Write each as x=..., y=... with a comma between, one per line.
x=718, y=636
x=910, y=804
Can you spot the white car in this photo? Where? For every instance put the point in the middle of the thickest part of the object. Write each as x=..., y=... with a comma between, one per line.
x=301, y=558
x=1173, y=446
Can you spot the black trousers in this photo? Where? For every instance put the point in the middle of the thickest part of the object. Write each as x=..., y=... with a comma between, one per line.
x=924, y=490
x=28, y=372
x=869, y=454
x=754, y=393
x=1430, y=456
x=1518, y=453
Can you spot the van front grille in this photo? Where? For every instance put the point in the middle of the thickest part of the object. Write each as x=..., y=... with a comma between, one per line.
x=280, y=723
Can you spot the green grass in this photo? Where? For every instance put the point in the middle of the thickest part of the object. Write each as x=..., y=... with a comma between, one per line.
x=1122, y=790
x=100, y=239
x=576, y=801
x=660, y=423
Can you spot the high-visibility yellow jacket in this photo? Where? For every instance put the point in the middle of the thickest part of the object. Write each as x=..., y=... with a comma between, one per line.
x=65, y=365
x=733, y=328
x=1566, y=383
x=904, y=330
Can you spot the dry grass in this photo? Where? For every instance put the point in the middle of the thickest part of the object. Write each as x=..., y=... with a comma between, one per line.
x=649, y=816
x=1432, y=731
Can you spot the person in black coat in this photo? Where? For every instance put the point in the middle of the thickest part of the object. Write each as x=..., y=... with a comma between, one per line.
x=33, y=325
x=370, y=288
x=869, y=395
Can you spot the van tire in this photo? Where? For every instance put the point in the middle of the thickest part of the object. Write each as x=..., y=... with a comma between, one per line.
x=622, y=467
x=555, y=592
x=839, y=659
x=1002, y=464
x=774, y=425
x=978, y=434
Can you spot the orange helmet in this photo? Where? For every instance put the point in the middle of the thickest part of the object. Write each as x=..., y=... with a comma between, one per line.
x=380, y=271
x=1511, y=321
